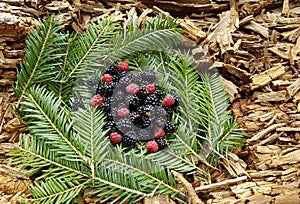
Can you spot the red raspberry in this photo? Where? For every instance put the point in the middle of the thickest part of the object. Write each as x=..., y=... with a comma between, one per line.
x=150, y=88
x=97, y=100
x=123, y=66
x=107, y=78
x=115, y=137
x=159, y=132
x=133, y=88
x=152, y=146
x=123, y=112
x=168, y=101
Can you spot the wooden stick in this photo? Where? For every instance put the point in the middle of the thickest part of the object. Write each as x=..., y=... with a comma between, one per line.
x=220, y=184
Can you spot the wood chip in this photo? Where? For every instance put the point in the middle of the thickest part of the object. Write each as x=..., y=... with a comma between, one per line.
x=264, y=132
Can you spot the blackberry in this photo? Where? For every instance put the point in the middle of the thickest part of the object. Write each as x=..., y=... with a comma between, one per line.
x=106, y=106
x=109, y=116
x=168, y=110
x=159, y=111
x=110, y=125
x=111, y=69
x=115, y=78
x=169, y=127
x=100, y=90
x=129, y=139
x=151, y=100
x=158, y=93
x=92, y=80
x=144, y=134
x=134, y=102
x=162, y=143
x=94, y=89
x=143, y=93
x=176, y=98
x=141, y=110
x=109, y=88
x=77, y=103
x=142, y=121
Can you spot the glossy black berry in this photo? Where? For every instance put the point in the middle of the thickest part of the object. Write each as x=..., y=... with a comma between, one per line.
x=158, y=93
x=169, y=127
x=109, y=88
x=176, y=98
x=112, y=70
x=151, y=100
x=100, y=90
x=162, y=143
x=122, y=74
x=129, y=139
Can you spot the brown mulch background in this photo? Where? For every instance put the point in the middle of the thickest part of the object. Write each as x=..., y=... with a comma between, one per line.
x=257, y=45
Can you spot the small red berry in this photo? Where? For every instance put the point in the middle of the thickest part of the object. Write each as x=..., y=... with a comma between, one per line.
x=107, y=78
x=152, y=146
x=123, y=112
x=115, y=137
x=159, y=132
x=150, y=88
x=97, y=100
x=168, y=101
x=133, y=88
x=123, y=66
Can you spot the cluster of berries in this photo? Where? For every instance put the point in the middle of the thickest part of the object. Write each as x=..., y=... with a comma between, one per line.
x=135, y=106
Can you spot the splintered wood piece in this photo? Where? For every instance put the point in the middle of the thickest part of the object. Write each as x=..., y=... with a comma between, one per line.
x=288, y=129
x=270, y=139
x=193, y=197
x=258, y=28
x=230, y=88
x=264, y=132
x=159, y=199
x=289, y=158
x=271, y=96
x=191, y=30
x=285, y=8
x=293, y=88
x=240, y=73
x=221, y=184
x=288, y=198
x=283, y=55
x=264, y=78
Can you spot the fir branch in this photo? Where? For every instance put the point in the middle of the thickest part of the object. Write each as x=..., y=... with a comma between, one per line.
x=41, y=56
x=220, y=132
x=55, y=191
x=47, y=120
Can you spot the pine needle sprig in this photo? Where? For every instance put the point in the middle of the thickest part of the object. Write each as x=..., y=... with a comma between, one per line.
x=218, y=131
x=42, y=54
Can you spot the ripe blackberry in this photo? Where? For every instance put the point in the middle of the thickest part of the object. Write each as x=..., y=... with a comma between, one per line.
x=77, y=103
x=129, y=139
x=100, y=90
x=162, y=143
x=176, y=98
x=169, y=127
x=109, y=88
x=144, y=134
x=168, y=110
x=115, y=78
x=143, y=92
x=111, y=69
x=151, y=100
x=141, y=121
x=92, y=80
x=158, y=93
x=110, y=125
x=134, y=102
x=109, y=116
x=159, y=111
x=106, y=105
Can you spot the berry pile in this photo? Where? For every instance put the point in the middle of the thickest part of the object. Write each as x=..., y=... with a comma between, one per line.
x=135, y=106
